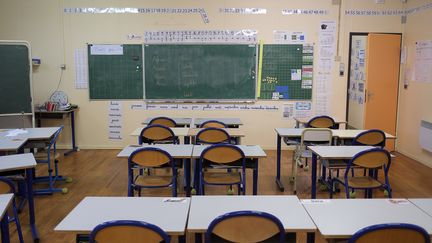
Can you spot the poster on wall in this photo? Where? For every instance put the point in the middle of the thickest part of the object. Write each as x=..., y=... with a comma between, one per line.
x=423, y=61
x=115, y=120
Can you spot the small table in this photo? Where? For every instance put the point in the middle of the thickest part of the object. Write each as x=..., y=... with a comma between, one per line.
x=42, y=114
x=253, y=152
x=170, y=215
x=230, y=122
x=287, y=209
x=5, y=202
x=180, y=121
x=28, y=163
x=177, y=151
x=341, y=218
x=424, y=204
x=302, y=121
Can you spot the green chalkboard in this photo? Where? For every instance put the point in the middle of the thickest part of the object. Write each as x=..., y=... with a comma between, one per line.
x=15, y=89
x=286, y=72
x=200, y=72
x=116, y=76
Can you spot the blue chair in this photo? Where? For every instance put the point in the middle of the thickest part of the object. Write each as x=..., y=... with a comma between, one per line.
x=120, y=231
x=154, y=134
x=150, y=158
x=218, y=165
x=49, y=155
x=7, y=186
x=371, y=160
x=321, y=122
x=245, y=226
x=213, y=123
x=212, y=135
x=372, y=137
x=391, y=233
x=164, y=121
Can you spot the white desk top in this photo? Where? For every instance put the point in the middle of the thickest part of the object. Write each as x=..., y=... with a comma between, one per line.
x=181, y=121
x=341, y=218
x=340, y=133
x=287, y=208
x=15, y=142
x=92, y=211
x=17, y=162
x=304, y=120
x=337, y=152
x=227, y=121
x=250, y=151
x=178, y=131
x=11, y=144
x=233, y=132
x=424, y=204
x=175, y=150
x=5, y=201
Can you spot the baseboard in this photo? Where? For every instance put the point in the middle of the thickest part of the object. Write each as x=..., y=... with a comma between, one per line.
x=411, y=156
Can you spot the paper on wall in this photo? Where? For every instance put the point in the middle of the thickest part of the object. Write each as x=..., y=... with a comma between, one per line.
x=81, y=69
x=115, y=120
x=102, y=49
x=288, y=37
x=423, y=61
x=288, y=111
x=303, y=109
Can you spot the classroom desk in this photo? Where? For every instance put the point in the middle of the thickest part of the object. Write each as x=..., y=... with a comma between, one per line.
x=28, y=163
x=294, y=133
x=341, y=218
x=230, y=122
x=92, y=211
x=178, y=132
x=180, y=121
x=5, y=202
x=302, y=121
x=286, y=208
x=11, y=144
x=424, y=204
x=235, y=133
x=253, y=152
x=43, y=114
x=177, y=151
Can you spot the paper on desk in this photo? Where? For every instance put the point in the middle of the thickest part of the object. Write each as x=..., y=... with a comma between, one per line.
x=16, y=132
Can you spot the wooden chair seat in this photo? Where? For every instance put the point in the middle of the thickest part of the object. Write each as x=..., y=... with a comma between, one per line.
x=222, y=177
x=363, y=182
x=153, y=180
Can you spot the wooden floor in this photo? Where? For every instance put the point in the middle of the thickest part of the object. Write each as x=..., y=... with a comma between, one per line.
x=101, y=173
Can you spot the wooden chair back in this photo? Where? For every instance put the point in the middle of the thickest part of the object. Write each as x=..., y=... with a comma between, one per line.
x=391, y=233
x=246, y=226
x=373, y=137
x=6, y=186
x=223, y=154
x=321, y=122
x=123, y=231
x=150, y=157
x=371, y=159
x=164, y=121
x=213, y=123
x=156, y=133
x=212, y=135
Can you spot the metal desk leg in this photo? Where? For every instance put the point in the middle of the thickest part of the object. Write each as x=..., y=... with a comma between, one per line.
x=74, y=147
x=29, y=178
x=255, y=178
x=198, y=238
x=187, y=173
x=314, y=176
x=310, y=238
x=5, y=228
x=278, y=164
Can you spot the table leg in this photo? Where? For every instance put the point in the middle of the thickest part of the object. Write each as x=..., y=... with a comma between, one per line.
x=255, y=178
x=187, y=173
x=314, y=176
x=29, y=178
x=310, y=238
x=278, y=164
x=74, y=147
x=5, y=228
x=198, y=238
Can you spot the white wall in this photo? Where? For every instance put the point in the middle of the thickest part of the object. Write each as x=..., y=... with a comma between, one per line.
x=55, y=35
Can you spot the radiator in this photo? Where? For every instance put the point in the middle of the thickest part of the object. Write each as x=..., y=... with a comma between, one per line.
x=426, y=135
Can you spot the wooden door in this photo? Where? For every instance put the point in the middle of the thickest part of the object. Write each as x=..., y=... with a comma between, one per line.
x=382, y=78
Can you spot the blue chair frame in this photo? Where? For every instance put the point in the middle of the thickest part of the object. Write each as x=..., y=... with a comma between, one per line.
x=162, y=117
x=202, y=182
x=51, y=179
x=15, y=217
x=115, y=223
x=377, y=227
x=131, y=177
x=265, y=215
x=142, y=139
